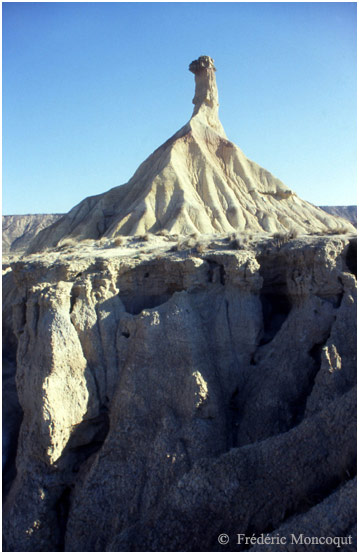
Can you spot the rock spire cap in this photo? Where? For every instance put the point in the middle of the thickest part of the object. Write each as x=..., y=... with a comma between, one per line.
x=203, y=62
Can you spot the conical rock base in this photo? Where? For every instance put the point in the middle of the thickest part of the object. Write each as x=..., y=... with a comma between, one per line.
x=197, y=181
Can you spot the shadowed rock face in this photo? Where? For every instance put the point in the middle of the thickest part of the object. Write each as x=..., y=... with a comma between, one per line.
x=197, y=181
x=172, y=398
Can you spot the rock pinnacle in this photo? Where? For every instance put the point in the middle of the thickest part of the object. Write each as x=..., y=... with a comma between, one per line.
x=206, y=94
x=197, y=181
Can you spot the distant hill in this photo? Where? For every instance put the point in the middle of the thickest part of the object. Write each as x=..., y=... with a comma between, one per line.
x=18, y=230
x=348, y=212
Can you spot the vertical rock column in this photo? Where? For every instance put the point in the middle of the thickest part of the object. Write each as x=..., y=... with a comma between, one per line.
x=206, y=94
x=53, y=387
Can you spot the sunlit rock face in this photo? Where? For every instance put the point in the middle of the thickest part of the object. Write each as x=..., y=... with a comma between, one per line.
x=197, y=181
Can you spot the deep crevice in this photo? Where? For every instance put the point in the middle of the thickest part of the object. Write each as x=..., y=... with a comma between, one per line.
x=275, y=308
x=301, y=402
x=62, y=509
x=12, y=416
x=23, y=308
x=89, y=438
x=216, y=272
x=274, y=297
x=73, y=297
x=36, y=312
x=222, y=275
x=351, y=257
x=234, y=414
x=316, y=353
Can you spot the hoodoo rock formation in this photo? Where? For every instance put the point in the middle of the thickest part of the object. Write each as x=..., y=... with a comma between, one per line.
x=197, y=181
x=205, y=100
x=170, y=391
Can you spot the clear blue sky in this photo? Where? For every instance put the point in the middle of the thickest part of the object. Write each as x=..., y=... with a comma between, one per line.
x=91, y=89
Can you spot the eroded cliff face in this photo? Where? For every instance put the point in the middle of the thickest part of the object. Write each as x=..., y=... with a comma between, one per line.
x=167, y=399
